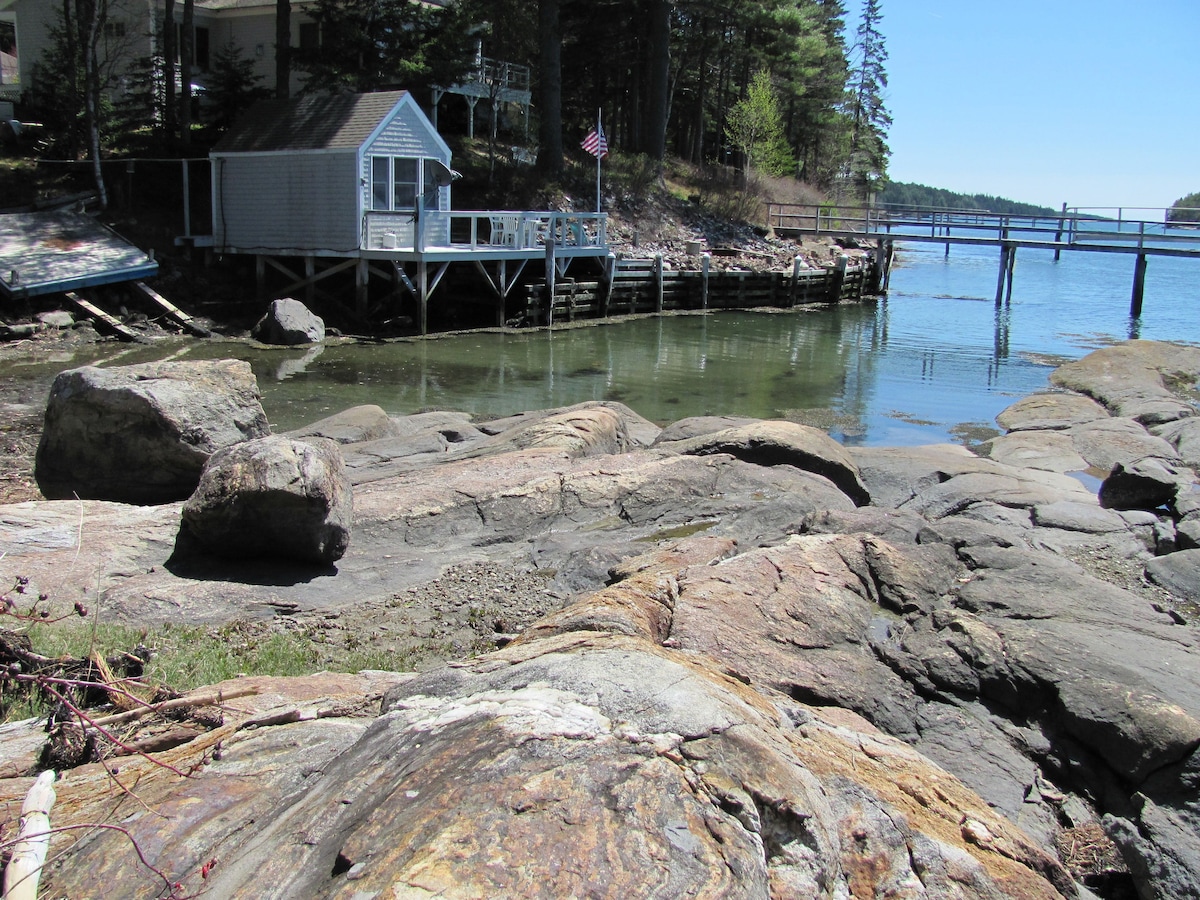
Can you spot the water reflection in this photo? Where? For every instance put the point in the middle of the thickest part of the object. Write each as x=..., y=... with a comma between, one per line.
x=290, y=367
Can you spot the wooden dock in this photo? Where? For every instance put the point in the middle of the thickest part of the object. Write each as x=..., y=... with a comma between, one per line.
x=1072, y=230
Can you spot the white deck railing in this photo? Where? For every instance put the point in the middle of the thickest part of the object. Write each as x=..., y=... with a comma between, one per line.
x=485, y=230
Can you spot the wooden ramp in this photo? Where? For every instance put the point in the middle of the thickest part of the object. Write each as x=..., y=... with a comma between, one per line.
x=54, y=252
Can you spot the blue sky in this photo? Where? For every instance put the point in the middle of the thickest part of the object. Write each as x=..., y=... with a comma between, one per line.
x=1088, y=102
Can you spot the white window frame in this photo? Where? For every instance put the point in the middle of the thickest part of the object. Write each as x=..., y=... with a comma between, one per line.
x=385, y=177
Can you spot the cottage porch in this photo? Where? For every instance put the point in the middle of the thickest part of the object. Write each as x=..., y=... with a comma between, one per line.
x=416, y=251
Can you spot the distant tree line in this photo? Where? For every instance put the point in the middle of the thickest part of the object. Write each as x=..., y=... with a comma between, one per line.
x=765, y=84
x=899, y=193
x=1185, y=209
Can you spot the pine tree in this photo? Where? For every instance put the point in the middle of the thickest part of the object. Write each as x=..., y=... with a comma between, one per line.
x=869, y=117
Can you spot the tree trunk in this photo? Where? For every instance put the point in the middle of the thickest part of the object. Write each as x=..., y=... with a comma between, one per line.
x=170, y=51
x=550, y=153
x=97, y=12
x=186, y=60
x=659, y=28
x=283, y=48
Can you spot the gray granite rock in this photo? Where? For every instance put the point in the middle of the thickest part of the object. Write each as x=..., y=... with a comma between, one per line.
x=142, y=433
x=1178, y=572
x=1050, y=412
x=273, y=497
x=289, y=322
x=1049, y=450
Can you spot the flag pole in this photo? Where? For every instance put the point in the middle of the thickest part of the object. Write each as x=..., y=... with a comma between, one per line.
x=599, y=131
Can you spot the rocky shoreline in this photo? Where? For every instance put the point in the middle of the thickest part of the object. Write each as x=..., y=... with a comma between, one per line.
x=735, y=658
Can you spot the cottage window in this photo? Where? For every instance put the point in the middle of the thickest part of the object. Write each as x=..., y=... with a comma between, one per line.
x=394, y=182
x=405, y=184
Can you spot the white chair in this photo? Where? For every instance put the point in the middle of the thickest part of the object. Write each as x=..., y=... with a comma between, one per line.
x=505, y=230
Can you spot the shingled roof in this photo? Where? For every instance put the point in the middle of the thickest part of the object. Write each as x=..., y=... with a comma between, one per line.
x=311, y=122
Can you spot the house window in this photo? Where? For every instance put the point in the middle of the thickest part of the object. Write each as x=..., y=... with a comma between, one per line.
x=310, y=36
x=113, y=30
x=199, y=47
x=394, y=181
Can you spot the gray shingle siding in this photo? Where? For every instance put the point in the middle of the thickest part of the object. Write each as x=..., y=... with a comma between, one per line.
x=287, y=202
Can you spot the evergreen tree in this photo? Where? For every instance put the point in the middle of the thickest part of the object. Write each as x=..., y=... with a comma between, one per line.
x=232, y=85
x=1185, y=209
x=869, y=117
x=375, y=45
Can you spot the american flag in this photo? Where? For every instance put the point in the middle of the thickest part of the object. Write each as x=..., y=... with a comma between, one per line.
x=596, y=143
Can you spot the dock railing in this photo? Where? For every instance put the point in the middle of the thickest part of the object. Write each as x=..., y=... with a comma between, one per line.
x=1090, y=227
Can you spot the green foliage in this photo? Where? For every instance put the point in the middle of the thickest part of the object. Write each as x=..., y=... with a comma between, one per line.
x=232, y=86
x=374, y=45
x=755, y=128
x=1185, y=209
x=899, y=193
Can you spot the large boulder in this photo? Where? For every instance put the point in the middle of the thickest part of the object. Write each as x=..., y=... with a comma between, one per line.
x=142, y=433
x=273, y=497
x=289, y=322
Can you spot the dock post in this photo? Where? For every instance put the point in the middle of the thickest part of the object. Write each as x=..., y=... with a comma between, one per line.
x=888, y=258
x=705, y=261
x=658, y=283
x=797, y=262
x=551, y=273
x=362, y=280
x=1012, y=264
x=1139, y=286
x=423, y=292
x=1058, y=234
x=839, y=278
x=310, y=273
x=610, y=271
x=1007, y=252
x=260, y=274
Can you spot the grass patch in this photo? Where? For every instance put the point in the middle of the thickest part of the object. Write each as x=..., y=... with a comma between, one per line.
x=184, y=657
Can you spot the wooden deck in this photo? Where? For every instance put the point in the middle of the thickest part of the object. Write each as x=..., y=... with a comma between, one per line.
x=55, y=252
x=415, y=251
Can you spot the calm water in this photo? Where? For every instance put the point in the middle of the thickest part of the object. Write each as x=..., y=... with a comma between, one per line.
x=934, y=361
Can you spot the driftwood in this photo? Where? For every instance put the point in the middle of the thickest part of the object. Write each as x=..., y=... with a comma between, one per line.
x=177, y=703
x=24, y=869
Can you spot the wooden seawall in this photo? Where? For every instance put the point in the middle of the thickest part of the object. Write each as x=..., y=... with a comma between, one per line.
x=645, y=286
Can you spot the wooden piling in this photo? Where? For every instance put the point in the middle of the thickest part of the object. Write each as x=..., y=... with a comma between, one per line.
x=1139, y=286
x=551, y=276
x=1058, y=234
x=889, y=258
x=423, y=295
x=658, y=282
x=705, y=261
x=1006, y=253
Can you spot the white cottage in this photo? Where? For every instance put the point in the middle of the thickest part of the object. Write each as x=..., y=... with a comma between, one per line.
x=331, y=175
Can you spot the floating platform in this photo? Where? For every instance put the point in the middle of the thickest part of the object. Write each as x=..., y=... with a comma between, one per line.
x=55, y=252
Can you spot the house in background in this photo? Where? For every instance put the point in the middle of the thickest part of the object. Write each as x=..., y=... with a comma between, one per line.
x=133, y=31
